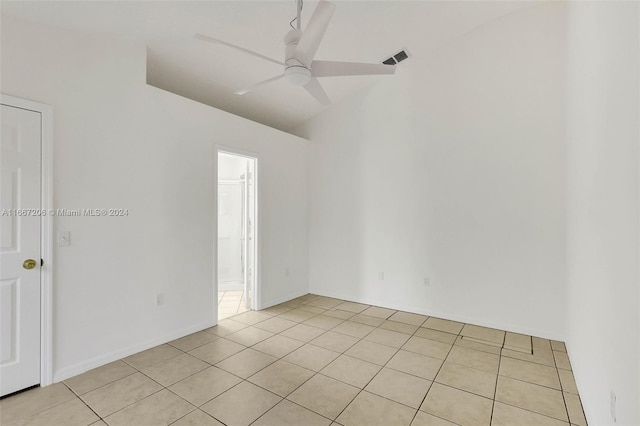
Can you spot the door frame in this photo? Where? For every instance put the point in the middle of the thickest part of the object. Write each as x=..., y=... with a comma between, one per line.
x=46, y=231
x=255, y=303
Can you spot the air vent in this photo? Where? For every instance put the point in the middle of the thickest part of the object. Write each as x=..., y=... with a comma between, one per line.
x=397, y=58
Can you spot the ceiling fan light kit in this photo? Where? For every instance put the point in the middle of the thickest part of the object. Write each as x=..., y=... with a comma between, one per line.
x=300, y=68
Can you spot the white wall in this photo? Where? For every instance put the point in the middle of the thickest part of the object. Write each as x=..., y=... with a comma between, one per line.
x=603, y=258
x=451, y=169
x=120, y=143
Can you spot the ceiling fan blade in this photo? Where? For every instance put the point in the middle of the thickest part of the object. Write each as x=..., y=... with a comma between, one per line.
x=258, y=85
x=233, y=46
x=332, y=68
x=312, y=35
x=316, y=90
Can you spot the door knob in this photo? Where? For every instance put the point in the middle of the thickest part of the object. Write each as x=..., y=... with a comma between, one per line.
x=29, y=264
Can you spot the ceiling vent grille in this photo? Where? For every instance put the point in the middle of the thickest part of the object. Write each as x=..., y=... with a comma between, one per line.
x=397, y=58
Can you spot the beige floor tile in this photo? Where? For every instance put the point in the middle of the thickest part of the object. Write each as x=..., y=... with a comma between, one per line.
x=246, y=363
x=408, y=318
x=281, y=377
x=152, y=356
x=458, y=406
x=25, y=404
x=278, y=346
x=375, y=311
x=337, y=395
x=518, y=342
x=217, y=350
x=99, y=423
x=367, y=320
x=197, y=418
x=427, y=347
x=483, y=334
x=251, y=317
x=276, y=310
x=400, y=327
x=249, y=336
x=372, y=352
x=530, y=372
x=558, y=346
x=507, y=415
x=439, y=336
x=311, y=357
x=313, y=309
x=467, y=379
x=297, y=315
x=447, y=326
x=287, y=413
x=538, y=357
x=387, y=337
x=529, y=396
x=471, y=344
x=325, y=302
x=562, y=360
x=225, y=327
x=121, y=393
x=476, y=359
x=323, y=321
x=426, y=419
x=205, y=385
x=352, y=307
x=353, y=371
x=568, y=381
x=98, y=377
x=70, y=413
x=399, y=387
x=275, y=325
x=372, y=410
x=175, y=369
x=162, y=408
x=574, y=407
x=194, y=340
x=343, y=315
x=303, y=332
x=353, y=329
x=333, y=341
x=241, y=405
x=416, y=364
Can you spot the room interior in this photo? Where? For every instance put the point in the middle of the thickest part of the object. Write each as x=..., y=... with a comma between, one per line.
x=493, y=180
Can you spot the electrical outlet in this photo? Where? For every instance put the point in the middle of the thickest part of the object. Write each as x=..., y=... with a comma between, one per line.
x=64, y=238
x=427, y=282
x=159, y=299
x=381, y=276
x=613, y=406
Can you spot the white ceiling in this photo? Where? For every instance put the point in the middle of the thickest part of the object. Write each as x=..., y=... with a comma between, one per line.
x=360, y=31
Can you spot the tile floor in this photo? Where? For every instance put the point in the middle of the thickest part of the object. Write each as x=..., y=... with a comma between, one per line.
x=320, y=361
x=230, y=303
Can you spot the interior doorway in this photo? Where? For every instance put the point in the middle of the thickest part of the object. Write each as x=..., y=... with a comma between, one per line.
x=237, y=219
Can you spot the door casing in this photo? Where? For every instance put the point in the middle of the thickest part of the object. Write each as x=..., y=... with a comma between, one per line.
x=46, y=234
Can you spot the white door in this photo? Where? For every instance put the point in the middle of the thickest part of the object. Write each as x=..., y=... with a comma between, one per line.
x=250, y=217
x=19, y=249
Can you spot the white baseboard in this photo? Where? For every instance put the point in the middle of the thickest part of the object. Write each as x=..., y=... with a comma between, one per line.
x=445, y=315
x=79, y=368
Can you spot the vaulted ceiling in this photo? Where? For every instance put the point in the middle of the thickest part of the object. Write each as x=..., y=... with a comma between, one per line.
x=360, y=31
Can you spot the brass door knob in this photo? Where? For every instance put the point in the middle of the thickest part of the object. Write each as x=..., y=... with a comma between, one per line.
x=29, y=264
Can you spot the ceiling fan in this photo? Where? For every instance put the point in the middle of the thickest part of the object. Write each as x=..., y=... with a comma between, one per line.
x=300, y=69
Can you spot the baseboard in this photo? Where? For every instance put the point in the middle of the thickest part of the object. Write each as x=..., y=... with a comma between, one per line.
x=278, y=300
x=445, y=315
x=74, y=370
x=230, y=287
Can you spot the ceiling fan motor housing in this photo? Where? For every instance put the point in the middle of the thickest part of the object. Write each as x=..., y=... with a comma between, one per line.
x=295, y=72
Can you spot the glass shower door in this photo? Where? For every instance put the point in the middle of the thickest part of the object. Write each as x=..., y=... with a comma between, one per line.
x=231, y=228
